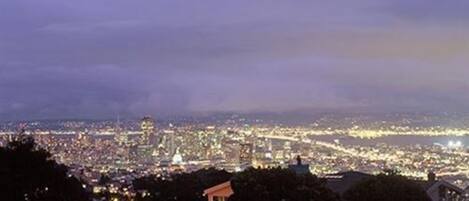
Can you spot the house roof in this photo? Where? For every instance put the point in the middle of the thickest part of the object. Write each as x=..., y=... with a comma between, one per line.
x=446, y=184
x=217, y=187
x=350, y=174
x=342, y=181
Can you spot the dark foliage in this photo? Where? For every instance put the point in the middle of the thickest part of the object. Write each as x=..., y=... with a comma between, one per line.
x=278, y=184
x=28, y=173
x=181, y=187
x=104, y=179
x=386, y=187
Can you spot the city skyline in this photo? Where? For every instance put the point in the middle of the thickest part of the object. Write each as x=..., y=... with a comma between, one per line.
x=155, y=100
x=96, y=60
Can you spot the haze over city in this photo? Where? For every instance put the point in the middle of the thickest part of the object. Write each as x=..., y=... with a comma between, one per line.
x=97, y=59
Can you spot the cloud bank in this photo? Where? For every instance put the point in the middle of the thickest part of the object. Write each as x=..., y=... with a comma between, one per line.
x=97, y=59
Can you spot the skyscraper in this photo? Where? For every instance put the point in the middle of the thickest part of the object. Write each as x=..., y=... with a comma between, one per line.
x=120, y=137
x=147, y=126
x=245, y=155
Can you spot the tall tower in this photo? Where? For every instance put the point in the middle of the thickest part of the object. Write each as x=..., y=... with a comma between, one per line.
x=119, y=136
x=245, y=154
x=147, y=126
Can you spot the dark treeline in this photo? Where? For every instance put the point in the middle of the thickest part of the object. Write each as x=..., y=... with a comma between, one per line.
x=28, y=173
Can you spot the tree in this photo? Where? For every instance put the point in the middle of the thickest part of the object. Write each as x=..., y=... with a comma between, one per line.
x=277, y=184
x=181, y=187
x=28, y=173
x=104, y=179
x=386, y=187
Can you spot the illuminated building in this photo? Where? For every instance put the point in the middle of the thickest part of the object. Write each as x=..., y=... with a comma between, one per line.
x=246, y=154
x=177, y=158
x=147, y=126
x=287, y=151
x=168, y=142
x=120, y=137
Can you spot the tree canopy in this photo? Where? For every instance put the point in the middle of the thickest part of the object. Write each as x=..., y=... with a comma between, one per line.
x=277, y=184
x=181, y=187
x=27, y=172
x=386, y=187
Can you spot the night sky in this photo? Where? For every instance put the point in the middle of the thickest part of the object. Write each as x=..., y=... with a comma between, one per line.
x=100, y=58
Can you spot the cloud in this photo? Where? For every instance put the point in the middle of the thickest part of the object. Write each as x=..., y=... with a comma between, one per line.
x=430, y=11
x=96, y=59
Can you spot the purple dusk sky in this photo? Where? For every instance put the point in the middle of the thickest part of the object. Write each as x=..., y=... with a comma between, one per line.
x=98, y=58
